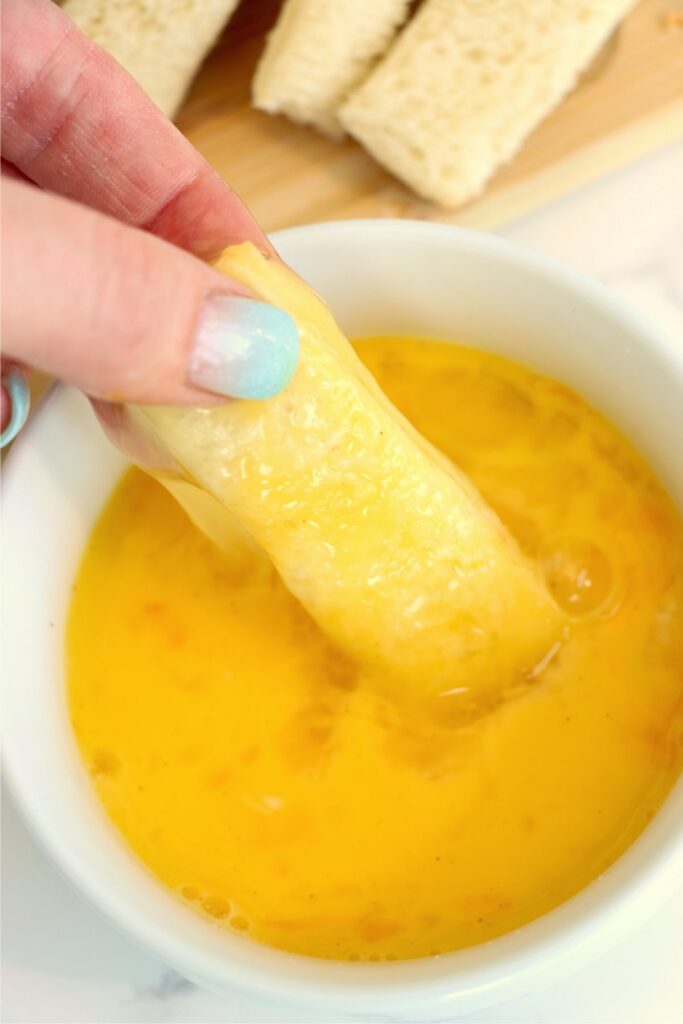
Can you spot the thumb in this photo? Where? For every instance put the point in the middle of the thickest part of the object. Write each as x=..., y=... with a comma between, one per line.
x=128, y=317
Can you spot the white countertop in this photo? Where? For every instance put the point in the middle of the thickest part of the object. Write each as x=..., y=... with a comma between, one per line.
x=63, y=962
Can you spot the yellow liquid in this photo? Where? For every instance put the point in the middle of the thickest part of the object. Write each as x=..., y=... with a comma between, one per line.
x=258, y=776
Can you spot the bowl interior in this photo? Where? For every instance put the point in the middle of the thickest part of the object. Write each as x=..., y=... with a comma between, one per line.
x=378, y=277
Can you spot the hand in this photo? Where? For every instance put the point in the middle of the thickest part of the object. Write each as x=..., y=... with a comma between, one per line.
x=106, y=208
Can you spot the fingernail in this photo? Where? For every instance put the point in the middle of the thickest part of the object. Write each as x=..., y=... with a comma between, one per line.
x=19, y=397
x=244, y=348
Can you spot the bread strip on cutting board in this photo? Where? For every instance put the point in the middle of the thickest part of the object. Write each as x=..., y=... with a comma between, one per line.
x=318, y=52
x=160, y=42
x=467, y=81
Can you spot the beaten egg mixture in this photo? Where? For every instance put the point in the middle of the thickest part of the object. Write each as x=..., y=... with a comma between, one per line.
x=263, y=778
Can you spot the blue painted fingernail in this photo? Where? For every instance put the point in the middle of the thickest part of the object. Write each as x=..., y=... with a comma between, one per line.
x=244, y=348
x=14, y=383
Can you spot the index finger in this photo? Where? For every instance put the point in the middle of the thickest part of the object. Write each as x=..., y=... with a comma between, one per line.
x=76, y=123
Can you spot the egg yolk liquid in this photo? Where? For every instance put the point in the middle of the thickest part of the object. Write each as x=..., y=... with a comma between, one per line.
x=250, y=767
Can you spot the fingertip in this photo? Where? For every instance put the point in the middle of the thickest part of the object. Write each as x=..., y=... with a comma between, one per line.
x=15, y=402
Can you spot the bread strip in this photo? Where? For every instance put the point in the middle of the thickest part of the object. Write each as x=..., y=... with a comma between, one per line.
x=466, y=82
x=318, y=52
x=389, y=547
x=160, y=42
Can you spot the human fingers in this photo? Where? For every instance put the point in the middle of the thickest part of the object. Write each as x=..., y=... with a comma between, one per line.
x=128, y=317
x=76, y=123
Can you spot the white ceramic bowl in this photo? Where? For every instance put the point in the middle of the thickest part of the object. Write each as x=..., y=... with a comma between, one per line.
x=379, y=277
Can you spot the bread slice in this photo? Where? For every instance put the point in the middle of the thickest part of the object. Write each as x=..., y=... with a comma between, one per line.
x=388, y=546
x=160, y=42
x=466, y=82
x=318, y=52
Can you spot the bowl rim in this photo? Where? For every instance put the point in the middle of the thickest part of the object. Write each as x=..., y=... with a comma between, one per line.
x=564, y=938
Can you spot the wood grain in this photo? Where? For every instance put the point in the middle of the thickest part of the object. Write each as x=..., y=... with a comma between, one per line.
x=629, y=102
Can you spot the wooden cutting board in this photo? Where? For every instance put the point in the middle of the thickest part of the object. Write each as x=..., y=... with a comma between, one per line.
x=629, y=102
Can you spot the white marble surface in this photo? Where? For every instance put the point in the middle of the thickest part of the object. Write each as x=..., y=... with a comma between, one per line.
x=63, y=962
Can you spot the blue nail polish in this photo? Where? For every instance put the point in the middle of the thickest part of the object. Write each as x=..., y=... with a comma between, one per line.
x=244, y=348
x=17, y=390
